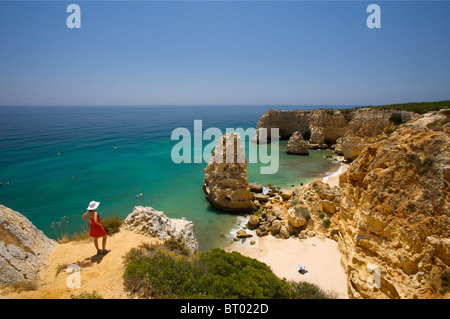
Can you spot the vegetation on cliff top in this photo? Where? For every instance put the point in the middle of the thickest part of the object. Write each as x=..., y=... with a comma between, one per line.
x=168, y=271
x=417, y=107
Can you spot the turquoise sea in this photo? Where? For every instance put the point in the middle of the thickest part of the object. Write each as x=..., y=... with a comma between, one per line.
x=113, y=154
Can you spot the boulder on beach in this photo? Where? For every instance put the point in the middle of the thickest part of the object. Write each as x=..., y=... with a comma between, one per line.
x=255, y=187
x=260, y=197
x=242, y=234
x=253, y=222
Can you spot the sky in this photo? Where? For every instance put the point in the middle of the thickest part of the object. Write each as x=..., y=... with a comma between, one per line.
x=223, y=53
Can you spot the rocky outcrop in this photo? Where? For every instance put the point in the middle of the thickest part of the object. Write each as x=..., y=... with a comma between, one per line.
x=367, y=126
x=326, y=126
x=297, y=145
x=299, y=213
x=348, y=131
x=319, y=126
x=153, y=223
x=226, y=179
x=394, y=219
x=24, y=249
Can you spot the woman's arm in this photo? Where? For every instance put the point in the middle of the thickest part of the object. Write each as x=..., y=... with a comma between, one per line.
x=84, y=217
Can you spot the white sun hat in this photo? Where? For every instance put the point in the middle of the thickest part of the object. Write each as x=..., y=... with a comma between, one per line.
x=93, y=205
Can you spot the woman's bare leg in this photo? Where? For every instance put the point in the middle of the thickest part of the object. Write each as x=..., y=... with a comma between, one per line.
x=104, y=242
x=96, y=243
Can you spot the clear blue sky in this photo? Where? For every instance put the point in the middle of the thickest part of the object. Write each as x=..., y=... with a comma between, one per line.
x=209, y=52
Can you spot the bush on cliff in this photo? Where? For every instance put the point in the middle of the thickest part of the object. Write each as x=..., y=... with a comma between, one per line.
x=396, y=118
x=158, y=272
x=417, y=107
x=112, y=225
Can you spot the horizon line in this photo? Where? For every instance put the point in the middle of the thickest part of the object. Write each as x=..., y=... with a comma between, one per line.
x=215, y=105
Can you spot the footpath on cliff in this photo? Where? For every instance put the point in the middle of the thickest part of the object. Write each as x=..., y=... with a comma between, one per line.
x=99, y=273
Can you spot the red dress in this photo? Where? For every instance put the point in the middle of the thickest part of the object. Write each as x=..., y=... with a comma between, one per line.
x=96, y=230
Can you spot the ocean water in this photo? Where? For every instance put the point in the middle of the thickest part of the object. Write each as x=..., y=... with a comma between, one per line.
x=113, y=154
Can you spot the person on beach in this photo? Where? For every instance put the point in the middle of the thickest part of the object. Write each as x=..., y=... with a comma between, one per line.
x=302, y=269
x=96, y=229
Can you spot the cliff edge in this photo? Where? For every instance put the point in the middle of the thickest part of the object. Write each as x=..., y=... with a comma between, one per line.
x=24, y=249
x=394, y=223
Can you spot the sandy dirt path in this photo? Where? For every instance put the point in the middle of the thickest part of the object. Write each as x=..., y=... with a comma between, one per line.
x=104, y=275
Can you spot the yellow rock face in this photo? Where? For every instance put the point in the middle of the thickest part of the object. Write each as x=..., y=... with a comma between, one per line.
x=226, y=181
x=394, y=213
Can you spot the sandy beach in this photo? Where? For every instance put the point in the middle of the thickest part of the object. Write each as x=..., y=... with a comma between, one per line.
x=333, y=179
x=320, y=256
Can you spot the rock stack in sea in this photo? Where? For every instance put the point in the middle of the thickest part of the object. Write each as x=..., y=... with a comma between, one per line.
x=226, y=179
x=150, y=222
x=24, y=249
x=297, y=145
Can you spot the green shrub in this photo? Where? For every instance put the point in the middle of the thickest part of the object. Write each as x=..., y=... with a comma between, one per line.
x=326, y=223
x=160, y=273
x=417, y=107
x=396, y=118
x=87, y=295
x=445, y=279
x=304, y=290
x=420, y=107
x=112, y=225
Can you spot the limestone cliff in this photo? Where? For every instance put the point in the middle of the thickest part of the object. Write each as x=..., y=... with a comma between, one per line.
x=226, y=179
x=24, y=249
x=349, y=130
x=367, y=126
x=319, y=126
x=287, y=121
x=394, y=210
x=326, y=126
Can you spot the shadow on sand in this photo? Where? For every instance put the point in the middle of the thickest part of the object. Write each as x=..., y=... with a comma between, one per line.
x=97, y=258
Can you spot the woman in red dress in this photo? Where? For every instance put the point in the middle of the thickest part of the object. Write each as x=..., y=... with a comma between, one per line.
x=96, y=229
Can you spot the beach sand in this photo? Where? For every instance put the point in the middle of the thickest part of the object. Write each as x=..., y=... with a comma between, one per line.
x=333, y=179
x=320, y=256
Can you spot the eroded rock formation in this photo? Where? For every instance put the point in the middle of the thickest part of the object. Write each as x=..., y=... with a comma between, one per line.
x=390, y=214
x=297, y=145
x=394, y=212
x=226, y=179
x=150, y=222
x=348, y=130
x=24, y=249
x=367, y=126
